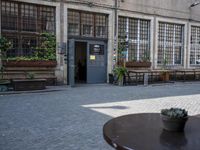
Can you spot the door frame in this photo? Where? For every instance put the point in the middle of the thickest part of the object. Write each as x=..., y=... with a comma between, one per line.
x=71, y=67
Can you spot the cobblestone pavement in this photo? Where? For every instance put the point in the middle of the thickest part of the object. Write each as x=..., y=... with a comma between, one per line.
x=72, y=119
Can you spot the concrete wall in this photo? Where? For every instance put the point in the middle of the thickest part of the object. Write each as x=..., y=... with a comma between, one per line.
x=170, y=8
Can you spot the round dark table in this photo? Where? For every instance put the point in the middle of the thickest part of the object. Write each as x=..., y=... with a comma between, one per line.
x=145, y=132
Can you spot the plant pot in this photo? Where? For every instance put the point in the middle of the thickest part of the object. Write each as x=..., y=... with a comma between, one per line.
x=165, y=76
x=30, y=63
x=120, y=63
x=173, y=124
x=138, y=64
x=121, y=82
x=111, y=78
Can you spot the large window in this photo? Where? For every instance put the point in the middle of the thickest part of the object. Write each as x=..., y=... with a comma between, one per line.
x=195, y=46
x=170, y=44
x=22, y=24
x=87, y=24
x=136, y=32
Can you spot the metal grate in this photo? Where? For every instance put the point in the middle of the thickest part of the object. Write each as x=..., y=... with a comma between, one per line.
x=137, y=34
x=170, y=44
x=23, y=22
x=87, y=24
x=195, y=46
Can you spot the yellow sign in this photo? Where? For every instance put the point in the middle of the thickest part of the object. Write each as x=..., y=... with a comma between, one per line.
x=92, y=57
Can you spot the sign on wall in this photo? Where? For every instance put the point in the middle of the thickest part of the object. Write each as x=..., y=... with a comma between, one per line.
x=96, y=49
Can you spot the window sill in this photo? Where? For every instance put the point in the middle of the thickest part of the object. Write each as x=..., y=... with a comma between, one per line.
x=30, y=63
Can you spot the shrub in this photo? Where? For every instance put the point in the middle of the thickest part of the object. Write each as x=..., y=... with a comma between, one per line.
x=175, y=113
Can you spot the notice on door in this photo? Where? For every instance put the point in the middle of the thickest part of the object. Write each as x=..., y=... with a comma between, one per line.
x=92, y=57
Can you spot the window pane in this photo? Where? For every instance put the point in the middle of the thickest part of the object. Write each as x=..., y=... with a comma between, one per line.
x=73, y=22
x=122, y=27
x=137, y=33
x=22, y=23
x=170, y=44
x=195, y=46
x=101, y=22
x=28, y=45
x=9, y=15
x=12, y=52
x=87, y=24
x=47, y=19
x=28, y=16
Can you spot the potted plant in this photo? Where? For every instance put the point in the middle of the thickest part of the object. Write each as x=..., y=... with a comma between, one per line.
x=120, y=73
x=174, y=119
x=4, y=46
x=165, y=73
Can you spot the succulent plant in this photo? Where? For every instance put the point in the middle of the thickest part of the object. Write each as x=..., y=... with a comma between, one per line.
x=175, y=113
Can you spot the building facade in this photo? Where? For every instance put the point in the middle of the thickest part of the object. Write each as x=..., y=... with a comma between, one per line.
x=88, y=32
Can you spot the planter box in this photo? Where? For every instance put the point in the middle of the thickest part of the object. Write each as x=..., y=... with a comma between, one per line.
x=120, y=63
x=132, y=64
x=164, y=76
x=29, y=84
x=30, y=63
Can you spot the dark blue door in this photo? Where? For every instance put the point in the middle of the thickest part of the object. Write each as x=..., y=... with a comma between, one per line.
x=96, y=62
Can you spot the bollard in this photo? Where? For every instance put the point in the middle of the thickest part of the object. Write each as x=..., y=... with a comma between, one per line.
x=146, y=79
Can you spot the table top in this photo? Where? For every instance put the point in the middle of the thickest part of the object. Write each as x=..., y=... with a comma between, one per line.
x=145, y=132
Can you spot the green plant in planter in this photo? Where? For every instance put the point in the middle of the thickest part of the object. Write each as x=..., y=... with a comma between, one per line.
x=174, y=113
x=5, y=45
x=47, y=49
x=120, y=72
x=30, y=75
x=174, y=119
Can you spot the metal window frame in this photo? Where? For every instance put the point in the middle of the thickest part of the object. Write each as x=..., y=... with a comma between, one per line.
x=195, y=45
x=94, y=24
x=20, y=32
x=125, y=22
x=173, y=44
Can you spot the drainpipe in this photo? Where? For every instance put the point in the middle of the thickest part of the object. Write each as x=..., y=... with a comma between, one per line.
x=115, y=34
x=0, y=18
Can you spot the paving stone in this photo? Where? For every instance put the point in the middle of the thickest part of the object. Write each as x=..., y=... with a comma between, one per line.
x=72, y=118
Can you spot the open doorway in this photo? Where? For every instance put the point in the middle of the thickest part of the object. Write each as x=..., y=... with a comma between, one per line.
x=80, y=62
